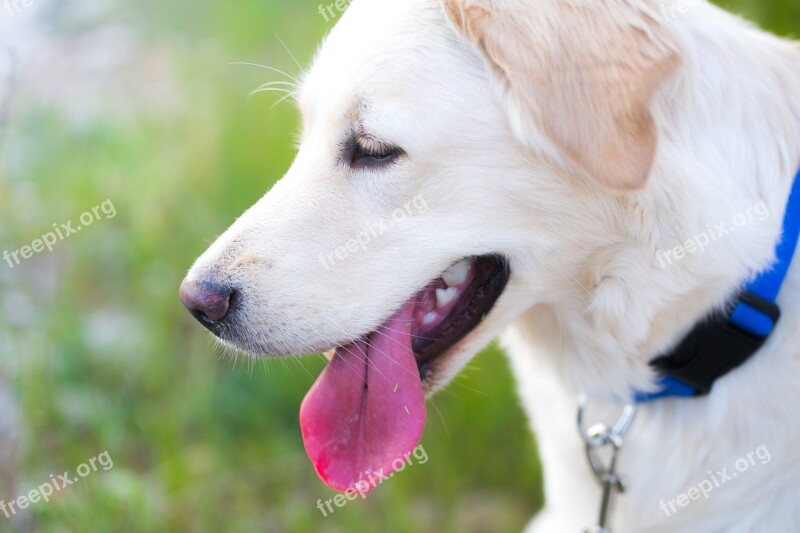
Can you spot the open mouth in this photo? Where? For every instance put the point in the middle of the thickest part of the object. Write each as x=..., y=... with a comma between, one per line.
x=454, y=304
x=366, y=412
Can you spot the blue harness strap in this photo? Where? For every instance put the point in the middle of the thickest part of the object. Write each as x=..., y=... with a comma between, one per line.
x=768, y=284
x=726, y=340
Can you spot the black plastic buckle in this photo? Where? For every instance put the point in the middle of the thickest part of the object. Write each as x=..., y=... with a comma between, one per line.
x=716, y=346
x=761, y=305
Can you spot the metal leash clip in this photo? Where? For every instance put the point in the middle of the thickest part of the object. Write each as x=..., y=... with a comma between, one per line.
x=597, y=438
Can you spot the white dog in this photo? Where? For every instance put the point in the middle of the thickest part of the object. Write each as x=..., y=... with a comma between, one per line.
x=590, y=177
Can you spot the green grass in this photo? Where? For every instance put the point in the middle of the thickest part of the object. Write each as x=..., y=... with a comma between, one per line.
x=104, y=357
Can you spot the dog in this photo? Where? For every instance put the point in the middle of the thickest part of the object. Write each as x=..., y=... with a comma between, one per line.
x=536, y=170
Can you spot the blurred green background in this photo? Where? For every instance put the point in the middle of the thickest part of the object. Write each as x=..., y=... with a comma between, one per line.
x=138, y=102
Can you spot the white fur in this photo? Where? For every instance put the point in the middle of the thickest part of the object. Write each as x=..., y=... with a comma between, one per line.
x=588, y=305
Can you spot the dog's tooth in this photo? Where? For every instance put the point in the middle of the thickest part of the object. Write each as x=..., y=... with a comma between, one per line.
x=457, y=274
x=430, y=318
x=445, y=296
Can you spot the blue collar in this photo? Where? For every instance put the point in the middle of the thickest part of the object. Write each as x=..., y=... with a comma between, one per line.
x=728, y=338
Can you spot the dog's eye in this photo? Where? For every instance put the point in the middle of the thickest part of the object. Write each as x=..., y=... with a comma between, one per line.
x=369, y=154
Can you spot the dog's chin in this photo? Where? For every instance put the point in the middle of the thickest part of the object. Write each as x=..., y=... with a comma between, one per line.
x=447, y=318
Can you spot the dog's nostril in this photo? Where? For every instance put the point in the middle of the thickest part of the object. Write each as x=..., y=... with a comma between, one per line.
x=208, y=302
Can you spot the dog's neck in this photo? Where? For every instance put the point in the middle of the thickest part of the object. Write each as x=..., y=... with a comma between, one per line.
x=731, y=116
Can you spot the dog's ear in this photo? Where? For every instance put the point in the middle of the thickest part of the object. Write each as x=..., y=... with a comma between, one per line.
x=582, y=72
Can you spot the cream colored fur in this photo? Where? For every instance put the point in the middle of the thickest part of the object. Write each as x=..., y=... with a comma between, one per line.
x=579, y=138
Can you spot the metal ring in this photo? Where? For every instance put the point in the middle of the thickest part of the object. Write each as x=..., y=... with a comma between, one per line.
x=608, y=436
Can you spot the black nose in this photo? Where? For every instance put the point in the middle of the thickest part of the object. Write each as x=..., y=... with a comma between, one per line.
x=208, y=302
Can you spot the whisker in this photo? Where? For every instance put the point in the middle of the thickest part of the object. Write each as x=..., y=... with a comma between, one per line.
x=269, y=90
x=296, y=62
x=283, y=99
x=273, y=69
x=441, y=417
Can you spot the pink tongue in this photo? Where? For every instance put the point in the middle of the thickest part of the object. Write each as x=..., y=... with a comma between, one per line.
x=366, y=412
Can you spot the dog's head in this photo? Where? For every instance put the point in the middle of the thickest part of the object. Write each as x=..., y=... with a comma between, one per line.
x=459, y=160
